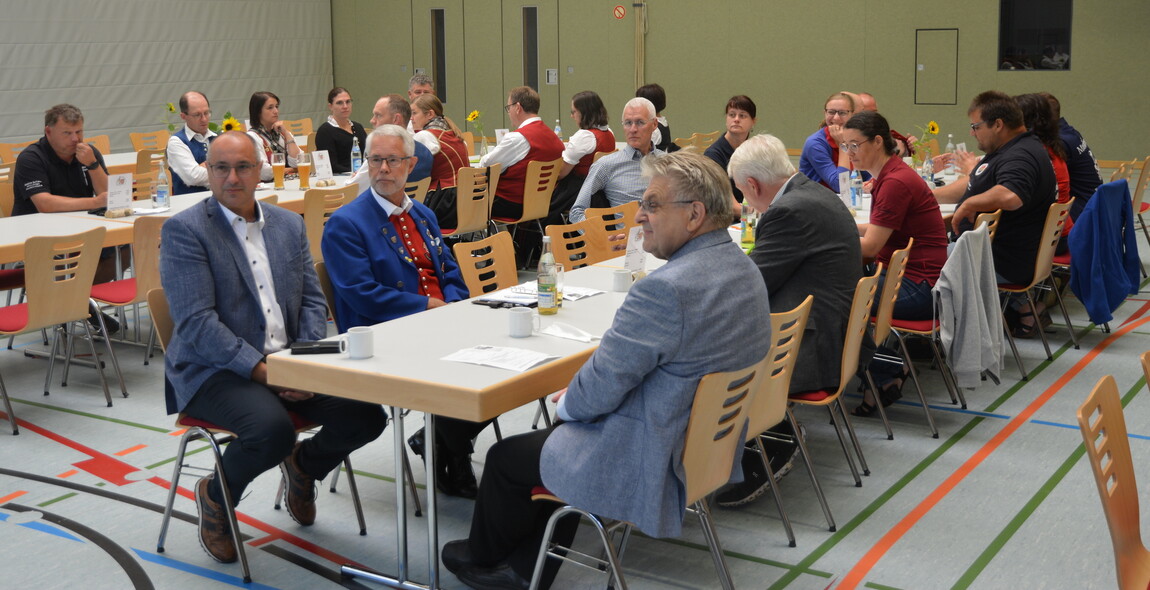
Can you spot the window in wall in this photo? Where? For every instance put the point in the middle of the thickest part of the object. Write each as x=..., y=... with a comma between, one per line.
x=531, y=46
x=439, y=53
x=1034, y=34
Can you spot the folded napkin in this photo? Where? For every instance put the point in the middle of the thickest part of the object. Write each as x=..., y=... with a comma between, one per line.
x=568, y=331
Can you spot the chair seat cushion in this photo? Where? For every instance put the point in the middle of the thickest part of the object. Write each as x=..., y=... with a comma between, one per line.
x=11, y=278
x=115, y=292
x=1011, y=287
x=542, y=494
x=14, y=318
x=811, y=396
x=1061, y=259
x=1143, y=207
x=914, y=325
x=185, y=421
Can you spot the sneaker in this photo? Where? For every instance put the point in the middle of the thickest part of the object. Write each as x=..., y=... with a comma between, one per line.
x=215, y=535
x=299, y=489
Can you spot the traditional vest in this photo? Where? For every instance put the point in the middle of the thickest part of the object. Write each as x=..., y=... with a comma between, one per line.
x=604, y=142
x=545, y=146
x=451, y=157
x=199, y=152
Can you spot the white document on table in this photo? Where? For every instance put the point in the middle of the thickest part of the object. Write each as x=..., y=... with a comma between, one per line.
x=500, y=357
x=636, y=259
x=529, y=292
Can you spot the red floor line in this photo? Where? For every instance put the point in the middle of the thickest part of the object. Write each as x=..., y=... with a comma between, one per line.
x=855, y=576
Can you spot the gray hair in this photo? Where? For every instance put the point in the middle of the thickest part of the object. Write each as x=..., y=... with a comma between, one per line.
x=762, y=157
x=420, y=80
x=639, y=101
x=391, y=131
x=694, y=177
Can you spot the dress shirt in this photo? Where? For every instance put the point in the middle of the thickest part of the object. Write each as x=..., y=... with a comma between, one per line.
x=583, y=142
x=181, y=160
x=513, y=148
x=250, y=234
x=428, y=140
x=616, y=174
x=388, y=207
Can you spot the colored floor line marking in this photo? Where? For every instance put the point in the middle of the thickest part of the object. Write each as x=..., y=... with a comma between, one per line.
x=68, y=473
x=12, y=496
x=855, y=576
x=129, y=450
x=732, y=554
x=203, y=572
x=179, y=432
x=983, y=560
x=87, y=415
x=54, y=500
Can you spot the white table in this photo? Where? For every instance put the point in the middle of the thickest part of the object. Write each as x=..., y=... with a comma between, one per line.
x=14, y=230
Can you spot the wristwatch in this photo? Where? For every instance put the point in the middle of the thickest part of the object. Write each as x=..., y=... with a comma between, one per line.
x=93, y=166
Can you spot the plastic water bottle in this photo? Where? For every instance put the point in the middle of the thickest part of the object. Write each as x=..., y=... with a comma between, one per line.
x=856, y=188
x=546, y=281
x=950, y=150
x=356, y=155
x=160, y=189
x=558, y=130
x=928, y=170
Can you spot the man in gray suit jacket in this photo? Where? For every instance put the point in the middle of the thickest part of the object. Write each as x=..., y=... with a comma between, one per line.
x=240, y=284
x=806, y=243
x=618, y=451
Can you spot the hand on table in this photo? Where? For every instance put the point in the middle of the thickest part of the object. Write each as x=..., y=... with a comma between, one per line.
x=433, y=303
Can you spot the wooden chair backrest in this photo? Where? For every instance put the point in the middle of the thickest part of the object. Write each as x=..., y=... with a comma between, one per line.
x=469, y=141
x=572, y=244
x=58, y=274
x=143, y=182
x=318, y=205
x=272, y=199
x=770, y=404
x=857, y=324
x=991, y=221
x=613, y=220
x=300, y=127
x=161, y=316
x=598, y=155
x=150, y=140
x=146, y=254
x=714, y=432
x=1124, y=170
x=309, y=143
x=890, y=287
x=474, y=193
x=328, y=290
x=417, y=190
x=9, y=151
x=7, y=196
x=487, y=265
x=538, y=187
x=146, y=160
x=1138, y=191
x=1051, y=233
x=700, y=141
x=1103, y=428
x=101, y=142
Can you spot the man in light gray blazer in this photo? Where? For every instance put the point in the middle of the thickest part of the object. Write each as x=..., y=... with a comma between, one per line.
x=618, y=451
x=806, y=243
x=240, y=285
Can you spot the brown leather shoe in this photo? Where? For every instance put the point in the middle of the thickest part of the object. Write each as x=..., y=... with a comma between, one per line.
x=215, y=536
x=299, y=489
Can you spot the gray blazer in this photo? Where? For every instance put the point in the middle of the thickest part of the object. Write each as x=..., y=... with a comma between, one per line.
x=807, y=243
x=212, y=295
x=704, y=311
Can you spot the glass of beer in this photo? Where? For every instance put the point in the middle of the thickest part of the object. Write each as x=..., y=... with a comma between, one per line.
x=278, y=165
x=303, y=166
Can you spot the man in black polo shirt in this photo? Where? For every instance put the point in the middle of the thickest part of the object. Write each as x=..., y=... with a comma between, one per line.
x=60, y=172
x=1015, y=176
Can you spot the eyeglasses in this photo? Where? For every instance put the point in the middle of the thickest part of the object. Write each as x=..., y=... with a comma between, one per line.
x=392, y=162
x=507, y=108
x=243, y=170
x=652, y=206
x=634, y=122
x=200, y=115
x=975, y=126
x=836, y=112
x=851, y=147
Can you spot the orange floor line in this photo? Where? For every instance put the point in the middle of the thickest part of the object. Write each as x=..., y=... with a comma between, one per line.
x=12, y=496
x=68, y=473
x=130, y=450
x=179, y=432
x=855, y=576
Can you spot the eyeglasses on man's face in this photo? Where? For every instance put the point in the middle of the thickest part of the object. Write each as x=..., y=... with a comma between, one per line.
x=634, y=122
x=975, y=126
x=243, y=169
x=392, y=162
x=651, y=206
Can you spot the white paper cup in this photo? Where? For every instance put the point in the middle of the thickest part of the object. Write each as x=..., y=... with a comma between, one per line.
x=522, y=321
x=621, y=281
x=358, y=343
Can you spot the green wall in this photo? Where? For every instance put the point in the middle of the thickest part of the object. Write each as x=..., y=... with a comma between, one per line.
x=787, y=56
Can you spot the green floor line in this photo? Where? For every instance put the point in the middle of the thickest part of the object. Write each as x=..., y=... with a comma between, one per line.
x=54, y=500
x=905, y=480
x=734, y=555
x=983, y=560
x=87, y=415
x=880, y=586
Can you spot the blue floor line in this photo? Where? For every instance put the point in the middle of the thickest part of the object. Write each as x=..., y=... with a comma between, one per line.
x=1075, y=427
x=46, y=528
x=203, y=572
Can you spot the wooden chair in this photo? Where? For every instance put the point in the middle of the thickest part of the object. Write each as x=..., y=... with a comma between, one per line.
x=1122, y=171
x=9, y=151
x=318, y=206
x=573, y=244
x=300, y=127
x=700, y=141
x=147, y=159
x=101, y=142
x=1051, y=233
x=537, y=189
x=145, y=271
x=722, y=403
x=469, y=141
x=309, y=143
x=151, y=140
x=598, y=155
x=417, y=190
x=474, y=193
x=990, y=220
x=857, y=324
x=1138, y=194
x=611, y=221
x=59, y=272
x=487, y=265
x=272, y=199
x=7, y=196
x=1103, y=428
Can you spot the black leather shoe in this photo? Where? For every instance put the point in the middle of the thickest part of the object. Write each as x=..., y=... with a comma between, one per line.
x=456, y=555
x=455, y=477
x=415, y=442
x=500, y=577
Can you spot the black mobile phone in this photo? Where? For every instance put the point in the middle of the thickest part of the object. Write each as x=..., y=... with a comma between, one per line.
x=99, y=211
x=315, y=347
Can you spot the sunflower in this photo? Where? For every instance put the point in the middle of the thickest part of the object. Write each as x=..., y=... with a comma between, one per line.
x=470, y=117
x=171, y=107
x=932, y=128
x=232, y=124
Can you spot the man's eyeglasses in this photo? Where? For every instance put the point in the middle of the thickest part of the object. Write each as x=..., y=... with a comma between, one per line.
x=507, y=108
x=652, y=206
x=975, y=126
x=392, y=162
x=634, y=122
x=200, y=115
x=243, y=170
x=836, y=112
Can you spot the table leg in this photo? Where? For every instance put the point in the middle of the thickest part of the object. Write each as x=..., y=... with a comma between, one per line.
x=432, y=510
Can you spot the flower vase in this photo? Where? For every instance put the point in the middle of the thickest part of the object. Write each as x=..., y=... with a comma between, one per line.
x=483, y=148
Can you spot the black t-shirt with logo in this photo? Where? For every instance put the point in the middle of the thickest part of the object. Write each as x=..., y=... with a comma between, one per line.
x=39, y=170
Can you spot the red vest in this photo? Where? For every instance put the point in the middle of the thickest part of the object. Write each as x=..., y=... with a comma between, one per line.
x=545, y=146
x=451, y=157
x=604, y=142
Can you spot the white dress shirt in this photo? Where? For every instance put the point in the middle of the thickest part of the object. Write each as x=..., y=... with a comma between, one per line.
x=428, y=140
x=582, y=143
x=513, y=148
x=182, y=162
x=250, y=234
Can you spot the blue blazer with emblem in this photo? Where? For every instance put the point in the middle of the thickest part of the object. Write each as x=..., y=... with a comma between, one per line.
x=371, y=273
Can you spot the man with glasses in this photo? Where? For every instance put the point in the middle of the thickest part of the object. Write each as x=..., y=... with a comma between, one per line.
x=618, y=451
x=240, y=285
x=616, y=179
x=394, y=110
x=530, y=141
x=188, y=147
x=387, y=259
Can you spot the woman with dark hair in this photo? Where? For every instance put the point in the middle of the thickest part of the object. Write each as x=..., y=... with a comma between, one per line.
x=822, y=160
x=270, y=133
x=658, y=97
x=335, y=136
x=741, y=112
x=594, y=135
x=902, y=207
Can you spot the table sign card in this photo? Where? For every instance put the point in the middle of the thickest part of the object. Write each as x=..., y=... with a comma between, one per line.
x=636, y=259
x=499, y=133
x=322, y=163
x=119, y=195
x=960, y=148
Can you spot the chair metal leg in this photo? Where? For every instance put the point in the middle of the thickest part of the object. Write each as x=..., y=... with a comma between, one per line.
x=354, y=495
x=704, y=513
x=854, y=438
x=843, y=443
x=8, y=408
x=1010, y=340
x=99, y=366
x=918, y=385
x=948, y=375
x=411, y=485
x=1065, y=314
x=612, y=565
x=108, y=345
x=774, y=485
x=878, y=403
x=498, y=432
x=811, y=472
x=52, y=357
x=541, y=412
x=1038, y=324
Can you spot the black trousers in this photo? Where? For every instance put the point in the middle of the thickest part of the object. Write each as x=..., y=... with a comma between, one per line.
x=456, y=435
x=265, y=433
x=507, y=525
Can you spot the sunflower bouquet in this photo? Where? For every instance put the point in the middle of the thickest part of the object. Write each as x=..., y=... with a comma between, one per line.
x=922, y=144
x=473, y=118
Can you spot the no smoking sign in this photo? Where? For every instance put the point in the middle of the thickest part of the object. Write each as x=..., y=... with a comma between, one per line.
x=620, y=12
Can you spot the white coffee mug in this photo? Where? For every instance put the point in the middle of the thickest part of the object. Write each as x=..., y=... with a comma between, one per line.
x=358, y=343
x=621, y=281
x=522, y=321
